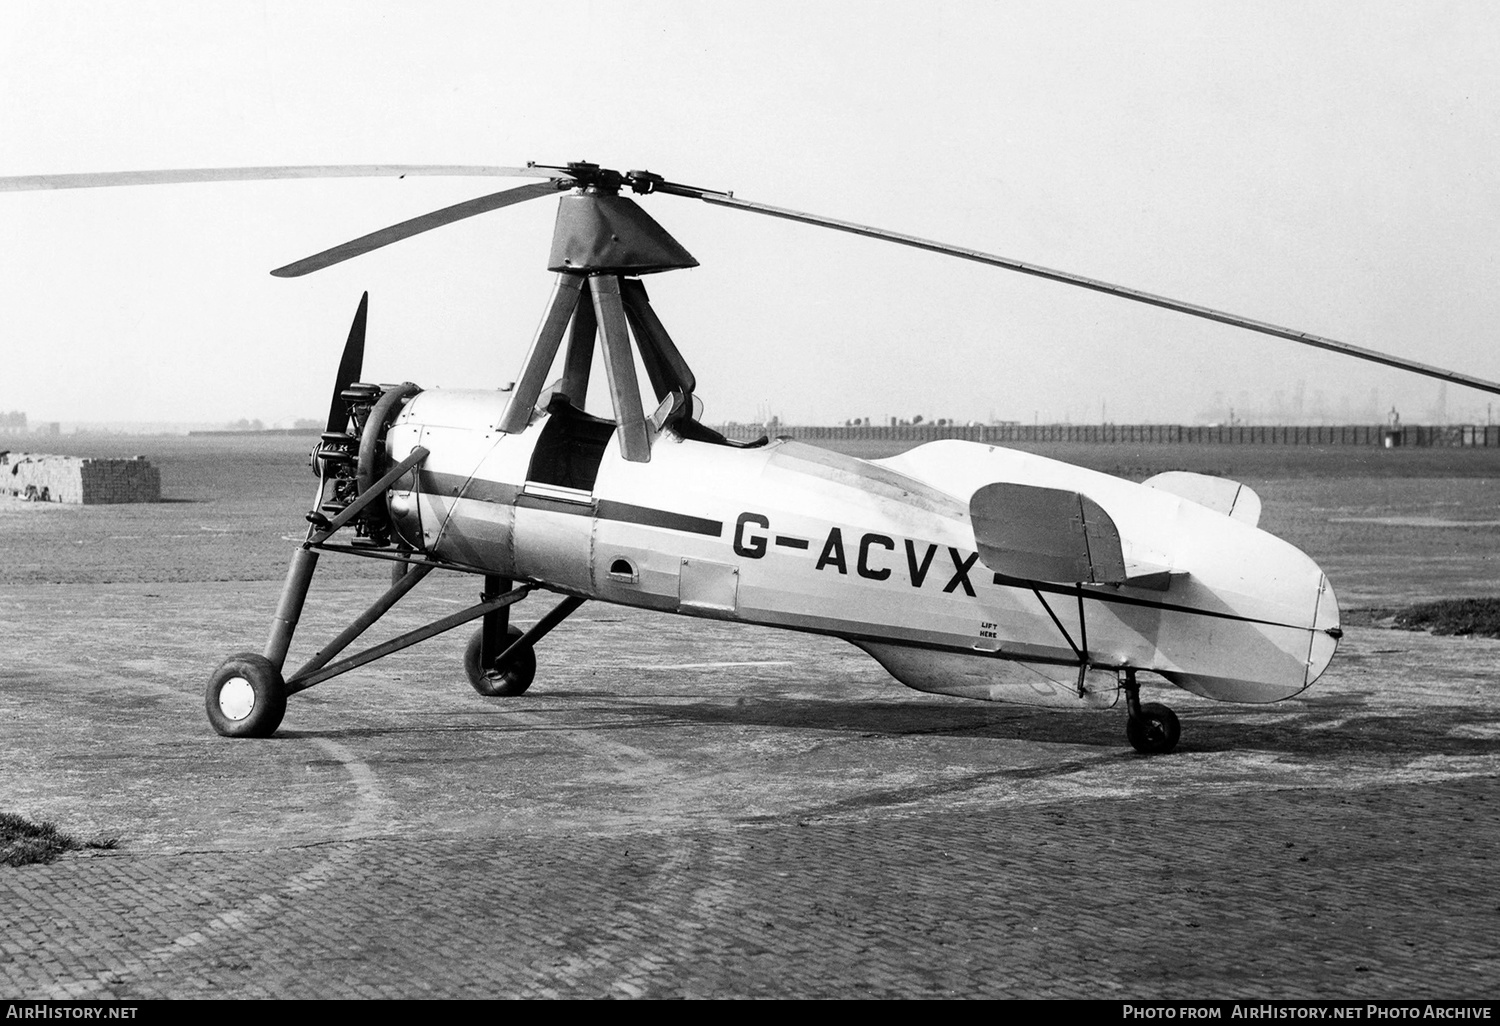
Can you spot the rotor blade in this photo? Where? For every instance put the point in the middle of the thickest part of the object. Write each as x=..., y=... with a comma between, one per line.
x=1306, y=338
x=418, y=225
x=99, y=179
x=350, y=365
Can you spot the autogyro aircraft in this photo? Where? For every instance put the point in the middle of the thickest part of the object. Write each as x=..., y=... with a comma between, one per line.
x=965, y=569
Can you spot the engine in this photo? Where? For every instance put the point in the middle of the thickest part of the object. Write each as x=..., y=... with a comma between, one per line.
x=348, y=462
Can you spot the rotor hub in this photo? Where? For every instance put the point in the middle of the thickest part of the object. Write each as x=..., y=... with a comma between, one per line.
x=590, y=177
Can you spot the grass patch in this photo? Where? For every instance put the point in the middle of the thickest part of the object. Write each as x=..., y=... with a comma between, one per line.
x=23, y=842
x=1474, y=617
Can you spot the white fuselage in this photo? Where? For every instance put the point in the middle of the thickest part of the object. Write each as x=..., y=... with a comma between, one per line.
x=881, y=553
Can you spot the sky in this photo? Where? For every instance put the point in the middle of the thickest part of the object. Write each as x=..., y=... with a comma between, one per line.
x=1327, y=166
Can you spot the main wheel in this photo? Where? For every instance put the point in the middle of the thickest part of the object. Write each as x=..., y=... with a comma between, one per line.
x=246, y=697
x=1155, y=731
x=493, y=682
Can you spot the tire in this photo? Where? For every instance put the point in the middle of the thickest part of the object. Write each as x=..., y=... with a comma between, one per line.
x=1155, y=732
x=246, y=697
x=497, y=683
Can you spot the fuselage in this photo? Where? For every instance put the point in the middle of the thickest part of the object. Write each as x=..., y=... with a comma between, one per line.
x=881, y=553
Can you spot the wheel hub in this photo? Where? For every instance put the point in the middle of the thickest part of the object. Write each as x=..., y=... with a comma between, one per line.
x=236, y=698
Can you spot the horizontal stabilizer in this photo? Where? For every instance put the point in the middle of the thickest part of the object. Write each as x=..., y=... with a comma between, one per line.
x=1046, y=534
x=1217, y=493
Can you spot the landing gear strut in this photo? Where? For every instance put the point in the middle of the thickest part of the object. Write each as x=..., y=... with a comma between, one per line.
x=500, y=661
x=247, y=695
x=1151, y=728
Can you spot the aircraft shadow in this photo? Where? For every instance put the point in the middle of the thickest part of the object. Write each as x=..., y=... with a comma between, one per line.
x=1322, y=728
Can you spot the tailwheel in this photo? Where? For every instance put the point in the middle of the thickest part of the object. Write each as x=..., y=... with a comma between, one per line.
x=1155, y=731
x=1152, y=728
x=501, y=679
x=246, y=697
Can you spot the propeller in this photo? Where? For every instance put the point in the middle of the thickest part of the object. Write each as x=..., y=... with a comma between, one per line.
x=350, y=365
x=100, y=179
x=593, y=178
x=579, y=174
x=1123, y=292
x=416, y=226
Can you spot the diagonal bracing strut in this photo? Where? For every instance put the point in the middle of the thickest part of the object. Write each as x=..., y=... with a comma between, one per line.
x=302, y=681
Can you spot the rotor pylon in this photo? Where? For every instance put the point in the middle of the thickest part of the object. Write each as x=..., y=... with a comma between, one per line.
x=601, y=243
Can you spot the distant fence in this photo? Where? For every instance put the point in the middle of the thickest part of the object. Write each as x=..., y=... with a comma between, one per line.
x=261, y=431
x=1452, y=435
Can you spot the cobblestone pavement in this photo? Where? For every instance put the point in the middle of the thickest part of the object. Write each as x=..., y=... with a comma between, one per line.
x=689, y=809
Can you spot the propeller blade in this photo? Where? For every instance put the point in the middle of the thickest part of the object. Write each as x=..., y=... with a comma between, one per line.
x=350, y=365
x=418, y=225
x=1135, y=295
x=100, y=179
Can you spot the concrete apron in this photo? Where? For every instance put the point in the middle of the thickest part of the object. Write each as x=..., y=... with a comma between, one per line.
x=677, y=735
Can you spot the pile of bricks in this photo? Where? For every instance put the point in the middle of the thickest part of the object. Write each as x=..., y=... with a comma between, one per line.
x=38, y=477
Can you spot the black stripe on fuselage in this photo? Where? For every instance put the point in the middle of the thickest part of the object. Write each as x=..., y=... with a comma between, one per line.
x=474, y=488
x=645, y=515
x=480, y=490
x=1130, y=600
